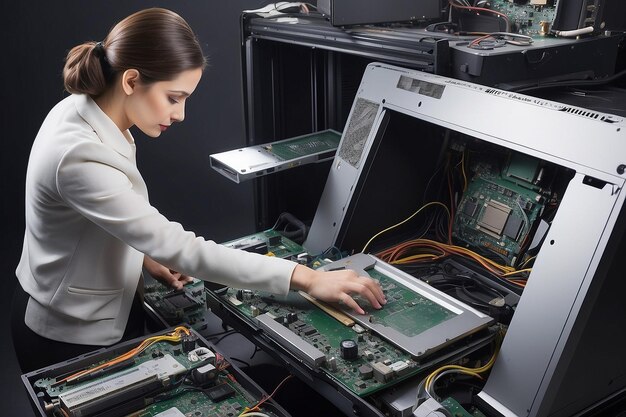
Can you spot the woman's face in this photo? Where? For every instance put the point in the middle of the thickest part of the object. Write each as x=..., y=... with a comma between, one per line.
x=154, y=107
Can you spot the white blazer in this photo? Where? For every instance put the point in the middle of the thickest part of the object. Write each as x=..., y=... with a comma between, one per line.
x=89, y=224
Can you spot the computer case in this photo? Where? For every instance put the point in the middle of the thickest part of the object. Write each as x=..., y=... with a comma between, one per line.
x=360, y=12
x=559, y=357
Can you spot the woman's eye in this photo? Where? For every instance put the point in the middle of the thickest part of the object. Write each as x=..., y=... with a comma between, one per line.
x=172, y=100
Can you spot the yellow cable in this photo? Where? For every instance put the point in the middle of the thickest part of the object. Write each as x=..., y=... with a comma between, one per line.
x=464, y=369
x=527, y=260
x=519, y=271
x=404, y=221
x=463, y=171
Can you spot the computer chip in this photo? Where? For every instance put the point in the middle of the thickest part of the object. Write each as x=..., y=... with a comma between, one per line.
x=513, y=227
x=220, y=392
x=470, y=208
x=494, y=217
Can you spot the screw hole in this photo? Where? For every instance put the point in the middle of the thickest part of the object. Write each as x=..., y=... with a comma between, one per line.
x=419, y=104
x=552, y=242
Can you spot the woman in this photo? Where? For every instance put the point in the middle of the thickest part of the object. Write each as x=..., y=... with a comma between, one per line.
x=89, y=225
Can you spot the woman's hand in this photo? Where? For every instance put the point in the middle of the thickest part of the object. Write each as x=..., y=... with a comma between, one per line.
x=165, y=275
x=335, y=286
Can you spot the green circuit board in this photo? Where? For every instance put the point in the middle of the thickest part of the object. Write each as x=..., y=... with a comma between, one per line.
x=499, y=207
x=270, y=241
x=178, y=306
x=457, y=410
x=325, y=333
x=198, y=404
x=157, y=350
x=526, y=18
x=317, y=142
x=181, y=400
x=406, y=311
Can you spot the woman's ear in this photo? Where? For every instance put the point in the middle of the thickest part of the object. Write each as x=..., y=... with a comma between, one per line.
x=129, y=80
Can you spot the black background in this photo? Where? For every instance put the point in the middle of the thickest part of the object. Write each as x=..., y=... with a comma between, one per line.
x=35, y=39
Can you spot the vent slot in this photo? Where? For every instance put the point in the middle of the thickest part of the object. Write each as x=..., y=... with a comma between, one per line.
x=585, y=113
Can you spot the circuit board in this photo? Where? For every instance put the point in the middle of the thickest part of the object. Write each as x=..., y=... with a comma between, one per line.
x=527, y=17
x=198, y=404
x=327, y=140
x=365, y=353
x=269, y=242
x=178, y=306
x=325, y=333
x=222, y=396
x=498, y=208
x=406, y=311
x=457, y=410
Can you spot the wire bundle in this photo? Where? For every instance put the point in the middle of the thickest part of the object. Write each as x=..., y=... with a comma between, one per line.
x=426, y=250
x=175, y=336
x=427, y=385
x=254, y=411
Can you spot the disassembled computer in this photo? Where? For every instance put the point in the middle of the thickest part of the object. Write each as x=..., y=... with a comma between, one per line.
x=492, y=220
x=482, y=213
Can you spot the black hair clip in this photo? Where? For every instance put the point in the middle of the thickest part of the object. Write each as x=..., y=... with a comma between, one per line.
x=100, y=53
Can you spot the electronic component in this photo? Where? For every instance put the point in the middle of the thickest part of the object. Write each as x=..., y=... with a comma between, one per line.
x=349, y=349
x=100, y=395
x=220, y=392
x=430, y=408
x=170, y=412
x=201, y=354
x=494, y=217
x=315, y=338
x=248, y=163
x=311, y=355
x=187, y=305
x=382, y=372
x=272, y=242
x=366, y=372
x=513, y=227
x=244, y=295
x=189, y=343
x=441, y=321
x=204, y=374
x=526, y=16
x=152, y=372
x=499, y=207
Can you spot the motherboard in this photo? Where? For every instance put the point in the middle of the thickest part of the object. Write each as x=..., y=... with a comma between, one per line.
x=166, y=375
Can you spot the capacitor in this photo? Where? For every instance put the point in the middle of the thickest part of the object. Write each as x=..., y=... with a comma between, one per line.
x=244, y=295
x=349, y=349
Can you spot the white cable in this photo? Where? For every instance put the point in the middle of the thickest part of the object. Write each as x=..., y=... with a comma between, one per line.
x=254, y=414
x=576, y=32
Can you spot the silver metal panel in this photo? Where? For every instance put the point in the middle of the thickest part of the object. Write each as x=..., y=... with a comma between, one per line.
x=556, y=289
x=337, y=193
x=311, y=355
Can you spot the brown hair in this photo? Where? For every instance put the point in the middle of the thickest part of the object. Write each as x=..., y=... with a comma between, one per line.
x=156, y=42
